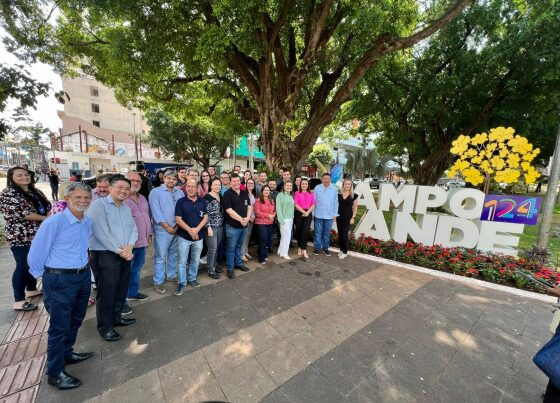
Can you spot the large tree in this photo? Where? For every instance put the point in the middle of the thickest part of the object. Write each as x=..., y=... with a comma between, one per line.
x=495, y=65
x=285, y=65
x=186, y=141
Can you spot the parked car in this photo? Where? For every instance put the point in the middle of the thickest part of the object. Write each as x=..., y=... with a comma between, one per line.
x=455, y=184
x=373, y=183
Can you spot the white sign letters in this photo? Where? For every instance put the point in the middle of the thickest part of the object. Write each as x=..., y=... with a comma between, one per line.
x=412, y=218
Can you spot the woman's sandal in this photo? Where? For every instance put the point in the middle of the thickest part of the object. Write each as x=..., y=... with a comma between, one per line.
x=27, y=306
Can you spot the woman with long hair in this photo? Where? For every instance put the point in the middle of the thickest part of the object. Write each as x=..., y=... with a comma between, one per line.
x=347, y=209
x=285, y=213
x=246, y=176
x=215, y=226
x=24, y=207
x=265, y=211
x=297, y=184
x=305, y=203
x=251, y=189
x=204, y=184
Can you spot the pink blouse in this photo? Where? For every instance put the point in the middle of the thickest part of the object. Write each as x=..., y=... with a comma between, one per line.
x=304, y=199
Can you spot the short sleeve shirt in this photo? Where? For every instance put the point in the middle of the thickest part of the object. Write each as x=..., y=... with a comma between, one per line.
x=239, y=203
x=192, y=213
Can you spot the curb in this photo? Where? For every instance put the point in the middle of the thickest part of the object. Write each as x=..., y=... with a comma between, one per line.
x=454, y=277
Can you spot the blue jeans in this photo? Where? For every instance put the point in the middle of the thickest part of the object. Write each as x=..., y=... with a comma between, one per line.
x=66, y=298
x=212, y=242
x=165, y=256
x=138, y=260
x=322, y=233
x=234, y=242
x=265, y=232
x=195, y=249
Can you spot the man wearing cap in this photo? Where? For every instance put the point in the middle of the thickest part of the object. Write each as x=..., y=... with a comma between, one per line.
x=162, y=202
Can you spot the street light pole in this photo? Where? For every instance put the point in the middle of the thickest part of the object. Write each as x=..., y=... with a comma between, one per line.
x=134, y=135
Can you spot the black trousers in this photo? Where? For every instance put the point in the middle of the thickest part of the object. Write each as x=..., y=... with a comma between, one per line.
x=552, y=394
x=343, y=228
x=66, y=298
x=112, y=274
x=302, y=229
x=21, y=278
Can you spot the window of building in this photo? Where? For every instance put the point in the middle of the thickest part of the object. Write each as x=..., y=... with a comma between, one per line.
x=95, y=108
x=143, y=131
x=75, y=165
x=96, y=123
x=94, y=91
x=142, y=117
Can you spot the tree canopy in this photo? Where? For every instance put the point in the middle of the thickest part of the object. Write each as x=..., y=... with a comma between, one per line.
x=185, y=140
x=17, y=84
x=286, y=66
x=497, y=64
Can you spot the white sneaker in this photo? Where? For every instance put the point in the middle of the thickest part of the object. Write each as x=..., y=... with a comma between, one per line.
x=203, y=260
x=342, y=255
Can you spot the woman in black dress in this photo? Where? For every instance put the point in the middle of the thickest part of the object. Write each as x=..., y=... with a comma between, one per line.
x=347, y=208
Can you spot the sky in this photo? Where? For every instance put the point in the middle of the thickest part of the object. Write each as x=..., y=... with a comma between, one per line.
x=46, y=106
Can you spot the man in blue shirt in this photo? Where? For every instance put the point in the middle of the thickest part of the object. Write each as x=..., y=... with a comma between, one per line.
x=114, y=236
x=191, y=215
x=162, y=206
x=59, y=254
x=325, y=212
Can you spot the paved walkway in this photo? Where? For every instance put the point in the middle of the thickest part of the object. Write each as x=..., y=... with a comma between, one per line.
x=318, y=331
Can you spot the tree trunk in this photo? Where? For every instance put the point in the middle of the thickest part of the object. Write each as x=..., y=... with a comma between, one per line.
x=431, y=169
x=548, y=207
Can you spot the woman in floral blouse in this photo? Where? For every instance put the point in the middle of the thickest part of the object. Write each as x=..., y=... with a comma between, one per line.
x=24, y=207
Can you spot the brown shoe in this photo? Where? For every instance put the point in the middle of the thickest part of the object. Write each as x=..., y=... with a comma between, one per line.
x=160, y=288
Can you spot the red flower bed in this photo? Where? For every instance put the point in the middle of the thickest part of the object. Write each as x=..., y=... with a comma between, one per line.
x=495, y=268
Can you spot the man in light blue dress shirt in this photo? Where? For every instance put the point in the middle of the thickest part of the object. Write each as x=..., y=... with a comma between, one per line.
x=114, y=236
x=59, y=254
x=162, y=206
x=325, y=212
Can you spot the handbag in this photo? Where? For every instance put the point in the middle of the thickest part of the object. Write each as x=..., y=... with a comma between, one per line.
x=548, y=359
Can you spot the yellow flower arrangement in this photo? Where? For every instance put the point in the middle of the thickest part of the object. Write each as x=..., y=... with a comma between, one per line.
x=500, y=153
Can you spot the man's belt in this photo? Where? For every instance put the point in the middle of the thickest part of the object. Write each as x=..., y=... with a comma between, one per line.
x=52, y=270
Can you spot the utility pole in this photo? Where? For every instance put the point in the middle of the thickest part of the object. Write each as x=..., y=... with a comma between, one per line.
x=550, y=198
x=251, y=151
x=234, y=151
x=134, y=135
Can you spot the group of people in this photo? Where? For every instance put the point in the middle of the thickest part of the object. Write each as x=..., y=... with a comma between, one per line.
x=100, y=236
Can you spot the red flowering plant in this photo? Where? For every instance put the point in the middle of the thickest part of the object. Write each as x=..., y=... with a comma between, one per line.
x=495, y=268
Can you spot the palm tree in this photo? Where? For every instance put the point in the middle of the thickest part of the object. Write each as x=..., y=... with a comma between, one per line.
x=364, y=162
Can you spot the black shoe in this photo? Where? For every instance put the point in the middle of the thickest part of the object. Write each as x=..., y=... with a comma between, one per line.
x=327, y=253
x=64, y=381
x=269, y=250
x=242, y=268
x=111, y=335
x=316, y=252
x=138, y=297
x=125, y=322
x=76, y=358
x=214, y=275
x=231, y=274
x=219, y=269
x=127, y=310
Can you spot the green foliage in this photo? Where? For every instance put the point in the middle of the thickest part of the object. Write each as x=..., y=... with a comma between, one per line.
x=185, y=140
x=285, y=65
x=321, y=153
x=16, y=84
x=495, y=65
x=366, y=162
